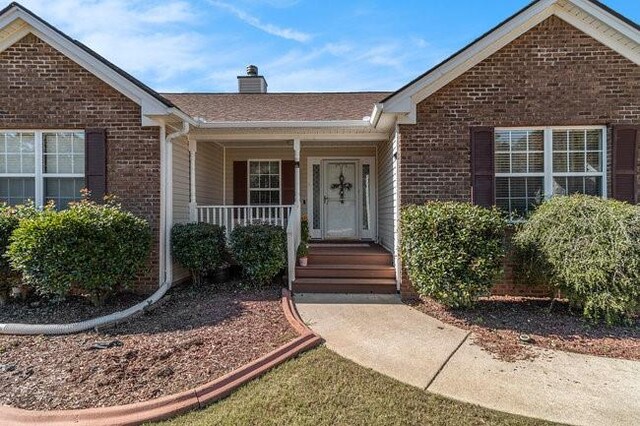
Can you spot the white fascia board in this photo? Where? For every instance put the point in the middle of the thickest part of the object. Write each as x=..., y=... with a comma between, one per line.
x=612, y=21
x=611, y=42
x=149, y=104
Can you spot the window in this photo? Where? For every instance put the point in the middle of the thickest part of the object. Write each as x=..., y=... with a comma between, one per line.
x=534, y=164
x=41, y=166
x=264, y=182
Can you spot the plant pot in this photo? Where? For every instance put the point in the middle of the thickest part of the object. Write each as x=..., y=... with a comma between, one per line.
x=303, y=261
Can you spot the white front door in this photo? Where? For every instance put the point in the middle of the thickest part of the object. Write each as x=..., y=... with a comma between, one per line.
x=340, y=199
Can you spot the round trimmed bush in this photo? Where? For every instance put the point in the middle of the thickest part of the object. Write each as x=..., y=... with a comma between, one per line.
x=199, y=247
x=261, y=251
x=10, y=217
x=452, y=251
x=589, y=249
x=90, y=247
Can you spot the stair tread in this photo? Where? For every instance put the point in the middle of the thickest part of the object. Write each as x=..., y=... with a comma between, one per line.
x=363, y=281
x=346, y=266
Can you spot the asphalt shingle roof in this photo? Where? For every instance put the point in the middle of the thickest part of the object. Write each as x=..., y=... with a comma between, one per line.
x=277, y=106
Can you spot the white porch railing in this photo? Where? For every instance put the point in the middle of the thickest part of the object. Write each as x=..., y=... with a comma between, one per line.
x=293, y=241
x=232, y=216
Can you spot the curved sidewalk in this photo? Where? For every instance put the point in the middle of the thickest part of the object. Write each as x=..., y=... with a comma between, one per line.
x=382, y=333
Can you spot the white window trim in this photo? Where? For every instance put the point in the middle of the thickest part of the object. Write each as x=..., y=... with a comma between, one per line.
x=249, y=180
x=39, y=174
x=548, y=157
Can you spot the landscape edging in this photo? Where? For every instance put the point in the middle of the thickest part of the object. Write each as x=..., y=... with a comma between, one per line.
x=171, y=405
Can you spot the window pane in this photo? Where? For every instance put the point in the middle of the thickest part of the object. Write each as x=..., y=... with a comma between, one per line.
x=576, y=162
x=536, y=162
x=593, y=186
x=503, y=163
x=518, y=187
x=316, y=196
x=254, y=167
x=594, y=163
x=502, y=141
x=560, y=162
x=576, y=140
x=62, y=191
x=594, y=140
x=518, y=141
x=264, y=182
x=536, y=140
x=63, y=152
x=559, y=186
x=560, y=140
x=17, y=152
x=575, y=185
x=518, y=163
x=65, y=163
x=518, y=196
x=502, y=187
x=17, y=190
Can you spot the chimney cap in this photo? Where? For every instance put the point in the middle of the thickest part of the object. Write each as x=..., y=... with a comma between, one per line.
x=252, y=70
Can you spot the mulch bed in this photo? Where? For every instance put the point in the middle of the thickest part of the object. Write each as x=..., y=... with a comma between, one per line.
x=72, y=309
x=498, y=322
x=194, y=336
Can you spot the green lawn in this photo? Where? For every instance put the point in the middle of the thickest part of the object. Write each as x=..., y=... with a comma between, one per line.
x=322, y=388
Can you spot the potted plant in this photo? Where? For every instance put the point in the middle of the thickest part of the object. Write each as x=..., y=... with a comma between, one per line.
x=303, y=248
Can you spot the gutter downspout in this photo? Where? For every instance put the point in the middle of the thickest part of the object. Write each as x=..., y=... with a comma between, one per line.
x=140, y=308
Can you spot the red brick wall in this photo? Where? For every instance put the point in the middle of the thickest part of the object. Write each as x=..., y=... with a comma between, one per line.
x=42, y=89
x=552, y=75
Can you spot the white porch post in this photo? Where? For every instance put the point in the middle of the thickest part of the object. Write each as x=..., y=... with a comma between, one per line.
x=193, y=213
x=296, y=153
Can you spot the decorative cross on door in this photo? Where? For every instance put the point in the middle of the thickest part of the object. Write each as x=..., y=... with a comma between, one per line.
x=342, y=185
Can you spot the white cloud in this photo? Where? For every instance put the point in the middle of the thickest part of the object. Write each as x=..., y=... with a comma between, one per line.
x=150, y=40
x=286, y=33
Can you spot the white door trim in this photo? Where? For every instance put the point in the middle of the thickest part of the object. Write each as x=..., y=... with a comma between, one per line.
x=372, y=233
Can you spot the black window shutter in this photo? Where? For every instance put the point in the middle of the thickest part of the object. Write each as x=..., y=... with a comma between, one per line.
x=240, y=197
x=95, y=141
x=624, y=164
x=482, y=167
x=288, y=182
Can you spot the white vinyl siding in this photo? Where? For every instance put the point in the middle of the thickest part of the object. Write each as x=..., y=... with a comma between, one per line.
x=386, y=194
x=180, y=153
x=209, y=161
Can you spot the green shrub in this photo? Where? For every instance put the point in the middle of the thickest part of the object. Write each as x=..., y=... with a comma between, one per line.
x=90, y=247
x=303, y=248
x=261, y=251
x=589, y=249
x=199, y=247
x=452, y=252
x=10, y=217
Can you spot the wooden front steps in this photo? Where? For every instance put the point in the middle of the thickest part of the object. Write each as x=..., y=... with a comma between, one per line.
x=346, y=268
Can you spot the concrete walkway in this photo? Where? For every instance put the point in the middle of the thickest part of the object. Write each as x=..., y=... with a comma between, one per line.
x=382, y=333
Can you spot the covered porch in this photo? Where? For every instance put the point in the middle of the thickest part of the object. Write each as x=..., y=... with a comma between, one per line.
x=235, y=183
x=342, y=184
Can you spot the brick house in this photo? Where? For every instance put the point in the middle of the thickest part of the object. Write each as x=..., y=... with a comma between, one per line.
x=546, y=103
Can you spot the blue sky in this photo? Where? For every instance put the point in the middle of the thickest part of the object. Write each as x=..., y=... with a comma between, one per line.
x=299, y=45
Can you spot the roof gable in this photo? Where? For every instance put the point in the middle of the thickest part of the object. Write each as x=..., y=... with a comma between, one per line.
x=16, y=22
x=589, y=16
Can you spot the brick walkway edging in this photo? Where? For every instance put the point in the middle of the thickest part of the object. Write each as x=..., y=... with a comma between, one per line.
x=172, y=405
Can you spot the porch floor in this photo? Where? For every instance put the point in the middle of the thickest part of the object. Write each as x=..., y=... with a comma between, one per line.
x=346, y=267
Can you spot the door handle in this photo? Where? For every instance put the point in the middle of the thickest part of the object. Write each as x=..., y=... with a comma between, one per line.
x=326, y=199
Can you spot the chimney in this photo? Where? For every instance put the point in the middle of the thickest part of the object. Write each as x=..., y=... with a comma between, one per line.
x=252, y=82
